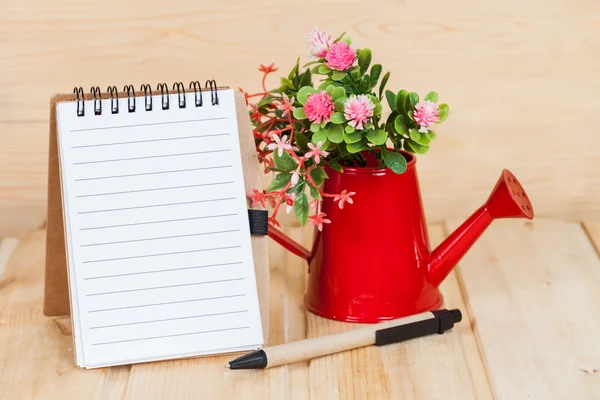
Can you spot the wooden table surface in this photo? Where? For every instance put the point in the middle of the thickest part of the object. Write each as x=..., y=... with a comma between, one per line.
x=529, y=292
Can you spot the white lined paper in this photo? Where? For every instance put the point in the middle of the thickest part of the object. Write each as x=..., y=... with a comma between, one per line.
x=159, y=252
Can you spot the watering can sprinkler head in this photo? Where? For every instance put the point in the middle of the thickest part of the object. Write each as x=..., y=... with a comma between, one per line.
x=507, y=200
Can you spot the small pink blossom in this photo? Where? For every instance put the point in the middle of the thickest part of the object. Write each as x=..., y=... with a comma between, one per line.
x=319, y=107
x=344, y=197
x=318, y=41
x=340, y=56
x=313, y=203
x=426, y=113
x=287, y=105
x=358, y=110
x=280, y=144
x=256, y=115
x=258, y=197
x=289, y=201
x=316, y=152
x=295, y=176
x=319, y=220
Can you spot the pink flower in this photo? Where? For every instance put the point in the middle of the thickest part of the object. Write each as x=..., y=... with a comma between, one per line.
x=258, y=197
x=343, y=198
x=313, y=203
x=280, y=144
x=358, y=110
x=340, y=56
x=289, y=201
x=319, y=220
x=256, y=115
x=319, y=107
x=296, y=175
x=426, y=113
x=287, y=105
x=318, y=41
x=316, y=152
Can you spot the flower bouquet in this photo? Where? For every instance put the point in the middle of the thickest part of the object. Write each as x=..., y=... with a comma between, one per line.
x=303, y=128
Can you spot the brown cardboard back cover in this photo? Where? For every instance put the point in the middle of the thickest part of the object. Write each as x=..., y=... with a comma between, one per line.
x=56, y=290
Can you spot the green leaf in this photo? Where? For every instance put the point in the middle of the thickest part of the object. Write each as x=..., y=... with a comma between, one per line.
x=368, y=125
x=320, y=136
x=287, y=83
x=310, y=63
x=339, y=37
x=364, y=59
x=416, y=147
x=318, y=175
x=314, y=127
x=301, y=141
x=391, y=99
x=377, y=137
x=299, y=113
x=400, y=100
x=410, y=115
x=301, y=208
x=384, y=82
x=432, y=96
x=414, y=99
x=431, y=135
x=408, y=147
x=350, y=129
x=338, y=118
x=314, y=192
x=378, y=109
x=306, y=79
x=284, y=162
x=400, y=125
x=324, y=69
x=264, y=101
x=329, y=89
x=299, y=188
x=335, y=166
x=338, y=92
x=279, y=182
x=414, y=135
x=375, y=74
x=339, y=103
x=335, y=133
x=295, y=70
x=419, y=138
x=338, y=75
x=352, y=137
x=444, y=110
x=315, y=69
x=324, y=84
x=394, y=161
x=357, y=147
x=303, y=94
x=347, y=40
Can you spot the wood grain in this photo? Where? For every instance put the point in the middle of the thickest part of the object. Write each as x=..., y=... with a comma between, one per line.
x=533, y=288
x=517, y=75
x=433, y=367
x=7, y=247
x=592, y=228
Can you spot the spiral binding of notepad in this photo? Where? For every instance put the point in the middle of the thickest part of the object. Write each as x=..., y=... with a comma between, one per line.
x=211, y=85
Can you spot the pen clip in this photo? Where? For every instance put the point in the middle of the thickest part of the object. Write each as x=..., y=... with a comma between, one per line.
x=443, y=320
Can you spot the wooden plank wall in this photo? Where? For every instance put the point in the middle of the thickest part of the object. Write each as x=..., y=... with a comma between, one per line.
x=521, y=79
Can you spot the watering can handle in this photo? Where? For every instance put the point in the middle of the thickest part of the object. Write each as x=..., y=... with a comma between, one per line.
x=289, y=244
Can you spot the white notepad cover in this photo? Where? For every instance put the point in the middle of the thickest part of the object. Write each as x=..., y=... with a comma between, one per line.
x=158, y=243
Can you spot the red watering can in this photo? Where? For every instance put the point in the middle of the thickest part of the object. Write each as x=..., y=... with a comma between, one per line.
x=373, y=261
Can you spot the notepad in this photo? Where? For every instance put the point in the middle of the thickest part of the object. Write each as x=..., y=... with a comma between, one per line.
x=159, y=255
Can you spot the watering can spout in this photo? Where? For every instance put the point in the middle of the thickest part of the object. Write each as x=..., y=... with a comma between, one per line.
x=507, y=200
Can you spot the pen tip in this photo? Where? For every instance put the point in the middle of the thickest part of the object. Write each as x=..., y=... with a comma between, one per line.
x=227, y=366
